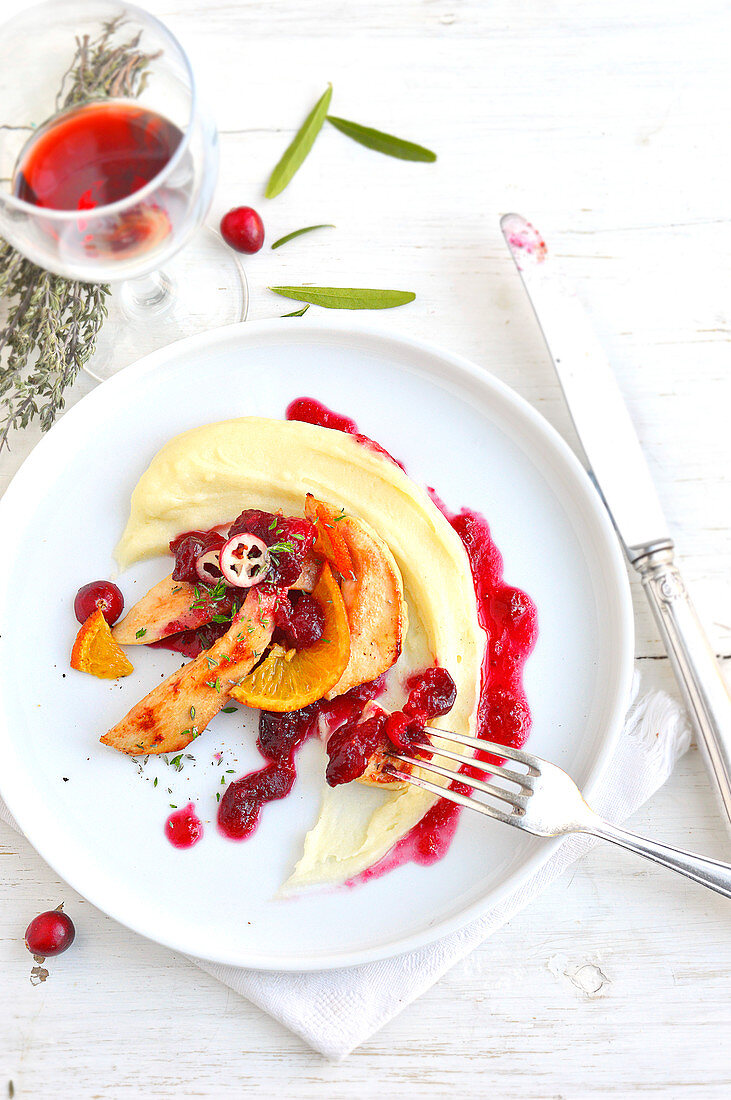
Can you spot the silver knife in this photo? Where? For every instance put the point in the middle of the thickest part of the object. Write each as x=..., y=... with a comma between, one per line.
x=620, y=472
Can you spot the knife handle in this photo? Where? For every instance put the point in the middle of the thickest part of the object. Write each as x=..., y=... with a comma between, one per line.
x=696, y=669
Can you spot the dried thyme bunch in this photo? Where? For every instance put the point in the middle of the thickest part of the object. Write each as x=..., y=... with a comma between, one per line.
x=52, y=322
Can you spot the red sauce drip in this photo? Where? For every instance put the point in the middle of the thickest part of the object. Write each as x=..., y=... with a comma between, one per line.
x=310, y=411
x=508, y=617
x=184, y=828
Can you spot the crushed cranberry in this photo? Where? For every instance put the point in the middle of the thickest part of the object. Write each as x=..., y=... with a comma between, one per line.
x=289, y=541
x=431, y=694
x=281, y=734
x=350, y=706
x=188, y=547
x=350, y=748
x=239, y=809
x=300, y=621
x=406, y=733
x=503, y=716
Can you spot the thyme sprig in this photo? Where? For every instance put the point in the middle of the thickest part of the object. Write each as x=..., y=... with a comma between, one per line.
x=52, y=323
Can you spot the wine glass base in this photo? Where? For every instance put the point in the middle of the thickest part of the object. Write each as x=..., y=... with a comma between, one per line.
x=202, y=287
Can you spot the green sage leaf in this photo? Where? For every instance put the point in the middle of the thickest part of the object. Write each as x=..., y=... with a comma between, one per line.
x=298, y=312
x=337, y=297
x=299, y=232
x=382, y=143
x=300, y=146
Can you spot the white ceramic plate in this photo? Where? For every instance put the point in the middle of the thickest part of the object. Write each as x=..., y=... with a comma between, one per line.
x=99, y=822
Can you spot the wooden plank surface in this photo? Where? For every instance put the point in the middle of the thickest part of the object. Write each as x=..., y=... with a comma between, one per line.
x=606, y=124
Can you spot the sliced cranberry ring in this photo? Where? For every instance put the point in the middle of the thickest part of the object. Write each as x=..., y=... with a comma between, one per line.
x=244, y=560
x=207, y=567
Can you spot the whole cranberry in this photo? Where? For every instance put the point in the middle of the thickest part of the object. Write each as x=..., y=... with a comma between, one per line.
x=243, y=229
x=99, y=595
x=50, y=933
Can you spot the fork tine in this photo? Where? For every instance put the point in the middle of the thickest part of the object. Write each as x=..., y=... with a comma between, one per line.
x=518, y=801
x=454, y=796
x=489, y=746
x=523, y=778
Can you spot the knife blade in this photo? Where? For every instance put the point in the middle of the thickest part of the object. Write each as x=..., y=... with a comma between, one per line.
x=620, y=472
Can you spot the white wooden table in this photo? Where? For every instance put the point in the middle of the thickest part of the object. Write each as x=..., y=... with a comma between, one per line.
x=606, y=122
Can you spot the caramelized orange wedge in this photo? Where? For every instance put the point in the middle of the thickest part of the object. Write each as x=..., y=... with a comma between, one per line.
x=290, y=679
x=330, y=542
x=95, y=650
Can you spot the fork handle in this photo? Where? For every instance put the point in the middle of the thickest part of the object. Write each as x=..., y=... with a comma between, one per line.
x=708, y=872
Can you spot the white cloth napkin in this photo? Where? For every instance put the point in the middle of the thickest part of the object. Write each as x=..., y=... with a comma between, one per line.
x=336, y=1010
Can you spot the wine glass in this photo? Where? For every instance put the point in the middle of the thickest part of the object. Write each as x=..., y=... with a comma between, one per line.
x=108, y=163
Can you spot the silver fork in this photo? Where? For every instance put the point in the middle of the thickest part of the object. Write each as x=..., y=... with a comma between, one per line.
x=544, y=800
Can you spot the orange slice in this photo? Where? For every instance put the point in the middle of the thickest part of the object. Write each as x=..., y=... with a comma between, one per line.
x=95, y=650
x=330, y=542
x=290, y=679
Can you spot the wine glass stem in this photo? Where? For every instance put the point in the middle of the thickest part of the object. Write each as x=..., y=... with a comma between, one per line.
x=148, y=295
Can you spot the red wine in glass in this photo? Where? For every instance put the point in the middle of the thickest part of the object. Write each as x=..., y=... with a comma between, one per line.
x=94, y=155
x=97, y=154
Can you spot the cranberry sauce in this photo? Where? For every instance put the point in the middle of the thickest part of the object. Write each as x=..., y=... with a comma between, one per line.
x=280, y=735
x=350, y=748
x=310, y=411
x=508, y=617
x=184, y=828
x=300, y=621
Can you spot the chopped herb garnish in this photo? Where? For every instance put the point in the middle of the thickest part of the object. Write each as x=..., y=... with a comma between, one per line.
x=173, y=806
x=211, y=661
x=177, y=588
x=273, y=524
x=223, y=780
x=192, y=712
x=229, y=771
x=221, y=619
x=155, y=782
x=281, y=548
x=229, y=710
x=141, y=632
x=218, y=796
x=177, y=762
